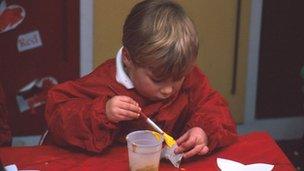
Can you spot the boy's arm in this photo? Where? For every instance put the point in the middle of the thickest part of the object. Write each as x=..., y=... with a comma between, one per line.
x=210, y=112
x=75, y=115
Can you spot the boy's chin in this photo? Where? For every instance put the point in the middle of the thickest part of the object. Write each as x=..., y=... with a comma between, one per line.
x=154, y=99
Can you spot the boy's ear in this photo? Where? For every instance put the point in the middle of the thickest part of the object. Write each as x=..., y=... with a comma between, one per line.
x=126, y=57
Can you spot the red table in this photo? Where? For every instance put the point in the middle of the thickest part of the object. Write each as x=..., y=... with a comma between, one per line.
x=257, y=147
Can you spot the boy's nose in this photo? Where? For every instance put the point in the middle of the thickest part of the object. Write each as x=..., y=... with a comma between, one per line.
x=166, y=90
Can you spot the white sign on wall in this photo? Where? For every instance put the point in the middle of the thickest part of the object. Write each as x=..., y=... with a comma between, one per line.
x=29, y=41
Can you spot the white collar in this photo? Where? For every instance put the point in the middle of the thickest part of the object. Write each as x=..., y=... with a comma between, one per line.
x=121, y=75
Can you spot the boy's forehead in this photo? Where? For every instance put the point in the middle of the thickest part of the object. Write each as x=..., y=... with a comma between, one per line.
x=160, y=74
x=147, y=71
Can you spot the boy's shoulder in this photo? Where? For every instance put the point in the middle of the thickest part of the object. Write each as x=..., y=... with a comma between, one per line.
x=109, y=64
x=106, y=68
x=105, y=71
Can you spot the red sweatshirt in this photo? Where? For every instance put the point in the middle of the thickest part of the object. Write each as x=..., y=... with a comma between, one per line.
x=75, y=111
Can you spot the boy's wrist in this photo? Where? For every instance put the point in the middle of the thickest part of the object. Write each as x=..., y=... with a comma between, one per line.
x=106, y=123
x=99, y=105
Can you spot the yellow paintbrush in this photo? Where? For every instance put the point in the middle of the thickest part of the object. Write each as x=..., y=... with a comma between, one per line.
x=168, y=139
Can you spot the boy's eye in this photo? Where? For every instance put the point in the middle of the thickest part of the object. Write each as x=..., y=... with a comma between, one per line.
x=156, y=81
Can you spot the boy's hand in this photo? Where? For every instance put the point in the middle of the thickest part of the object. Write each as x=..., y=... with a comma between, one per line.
x=120, y=108
x=193, y=142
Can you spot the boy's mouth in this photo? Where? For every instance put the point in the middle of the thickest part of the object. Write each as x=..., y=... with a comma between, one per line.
x=162, y=97
x=157, y=98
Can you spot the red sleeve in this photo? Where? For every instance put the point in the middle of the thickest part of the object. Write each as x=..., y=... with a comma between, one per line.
x=75, y=114
x=210, y=112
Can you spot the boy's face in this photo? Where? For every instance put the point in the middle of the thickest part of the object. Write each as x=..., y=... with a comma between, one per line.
x=149, y=86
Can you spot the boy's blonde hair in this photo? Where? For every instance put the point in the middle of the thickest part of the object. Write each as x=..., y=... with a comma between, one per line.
x=161, y=37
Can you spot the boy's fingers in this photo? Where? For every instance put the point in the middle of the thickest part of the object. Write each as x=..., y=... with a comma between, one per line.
x=191, y=142
x=128, y=100
x=182, y=138
x=186, y=145
x=127, y=114
x=193, y=151
x=205, y=150
x=130, y=106
x=179, y=141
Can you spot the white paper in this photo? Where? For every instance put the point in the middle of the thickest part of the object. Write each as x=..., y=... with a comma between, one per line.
x=11, y=167
x=29, y=41
x=169, y=154
x=2, y=6
x=22, y=101
x=229, y=165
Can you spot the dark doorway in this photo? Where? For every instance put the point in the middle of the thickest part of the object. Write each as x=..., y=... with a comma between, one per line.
x=280, y=90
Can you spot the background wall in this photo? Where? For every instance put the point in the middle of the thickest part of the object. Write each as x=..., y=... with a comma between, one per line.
x=216, y=24
x=96, y=16
x=108, y=22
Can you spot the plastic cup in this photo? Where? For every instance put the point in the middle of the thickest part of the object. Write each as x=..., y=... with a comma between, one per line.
x=144, y=150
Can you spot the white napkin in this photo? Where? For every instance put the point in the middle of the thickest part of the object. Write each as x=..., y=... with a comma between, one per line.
x=229, y=165
x=13, y=167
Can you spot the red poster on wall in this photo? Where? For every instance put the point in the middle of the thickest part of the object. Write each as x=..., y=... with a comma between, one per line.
x=44, y=43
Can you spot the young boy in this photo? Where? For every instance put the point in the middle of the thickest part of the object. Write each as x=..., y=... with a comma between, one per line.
x=154, y=72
